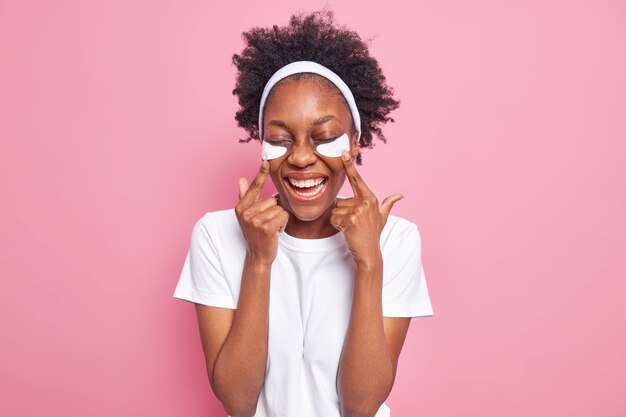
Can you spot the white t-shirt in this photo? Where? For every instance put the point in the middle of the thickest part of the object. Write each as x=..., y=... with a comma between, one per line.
x=311, y=285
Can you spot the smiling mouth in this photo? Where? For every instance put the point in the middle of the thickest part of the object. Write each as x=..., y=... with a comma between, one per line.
x=308, y=189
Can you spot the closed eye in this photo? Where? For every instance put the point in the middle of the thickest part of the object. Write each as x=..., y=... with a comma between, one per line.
x=285, y=143
x=326, y=140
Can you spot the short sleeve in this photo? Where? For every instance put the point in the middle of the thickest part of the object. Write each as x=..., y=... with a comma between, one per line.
x=202, y=279
x=405, y=292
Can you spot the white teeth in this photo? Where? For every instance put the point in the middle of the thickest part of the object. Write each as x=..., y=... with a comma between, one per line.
x=315, y=191
x=306, y=183
x=314, y=186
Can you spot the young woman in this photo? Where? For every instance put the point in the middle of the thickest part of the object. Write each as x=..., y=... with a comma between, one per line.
x=304, y=299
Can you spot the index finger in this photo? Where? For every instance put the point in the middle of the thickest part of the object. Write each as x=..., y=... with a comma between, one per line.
x=253, y=191
x=358, y=185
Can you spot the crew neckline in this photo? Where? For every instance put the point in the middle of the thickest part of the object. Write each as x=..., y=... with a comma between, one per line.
x=312, y=245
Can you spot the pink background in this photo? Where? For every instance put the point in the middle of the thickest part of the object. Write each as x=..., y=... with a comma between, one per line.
x=509, y=146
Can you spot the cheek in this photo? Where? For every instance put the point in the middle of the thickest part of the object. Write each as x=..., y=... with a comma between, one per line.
x=339, y=173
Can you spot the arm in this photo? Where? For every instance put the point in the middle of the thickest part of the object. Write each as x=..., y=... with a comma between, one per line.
x=367, y=366
x=372, y=347
x=235, y=342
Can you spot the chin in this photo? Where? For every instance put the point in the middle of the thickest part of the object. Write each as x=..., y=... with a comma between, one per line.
x=307, y=215
x=307, y=210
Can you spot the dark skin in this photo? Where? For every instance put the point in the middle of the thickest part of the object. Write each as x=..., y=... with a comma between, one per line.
x=305, y=112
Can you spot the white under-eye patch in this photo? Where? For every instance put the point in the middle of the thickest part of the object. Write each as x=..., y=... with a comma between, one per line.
x=336, y=147
x=270, y=151
x=331, y=149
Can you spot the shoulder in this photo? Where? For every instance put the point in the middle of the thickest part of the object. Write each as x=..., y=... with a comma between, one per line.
x=219, y=217
x=219, y=225
x=400, y=234
x=397, y=225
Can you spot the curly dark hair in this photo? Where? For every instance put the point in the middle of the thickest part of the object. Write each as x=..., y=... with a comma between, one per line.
x=314, y=37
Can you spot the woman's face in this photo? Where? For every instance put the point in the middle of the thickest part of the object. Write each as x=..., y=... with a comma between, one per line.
x=301, y=114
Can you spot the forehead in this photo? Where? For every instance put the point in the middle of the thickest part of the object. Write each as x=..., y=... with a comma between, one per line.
x=305, y=91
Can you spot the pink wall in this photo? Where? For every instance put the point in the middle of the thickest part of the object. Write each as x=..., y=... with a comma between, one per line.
x=509, y=146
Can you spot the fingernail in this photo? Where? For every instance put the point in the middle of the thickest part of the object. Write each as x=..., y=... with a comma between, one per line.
x=345, y=155
x=265, y=164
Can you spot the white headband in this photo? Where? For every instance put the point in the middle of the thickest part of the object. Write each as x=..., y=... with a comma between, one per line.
x=315, y=68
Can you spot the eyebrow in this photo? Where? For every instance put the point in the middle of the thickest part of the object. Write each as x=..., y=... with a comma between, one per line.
x=318, y=121
x=323, y=119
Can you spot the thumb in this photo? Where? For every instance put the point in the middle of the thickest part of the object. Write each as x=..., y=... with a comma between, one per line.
x=243, y=187
x=385, y=207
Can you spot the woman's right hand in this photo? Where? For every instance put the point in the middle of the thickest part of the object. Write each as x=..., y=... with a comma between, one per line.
x=261, y=221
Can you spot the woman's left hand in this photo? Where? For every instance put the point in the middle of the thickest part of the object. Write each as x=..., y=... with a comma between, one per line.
x=360, y=218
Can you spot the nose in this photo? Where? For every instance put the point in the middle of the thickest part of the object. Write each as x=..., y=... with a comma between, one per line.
x=302, y=154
